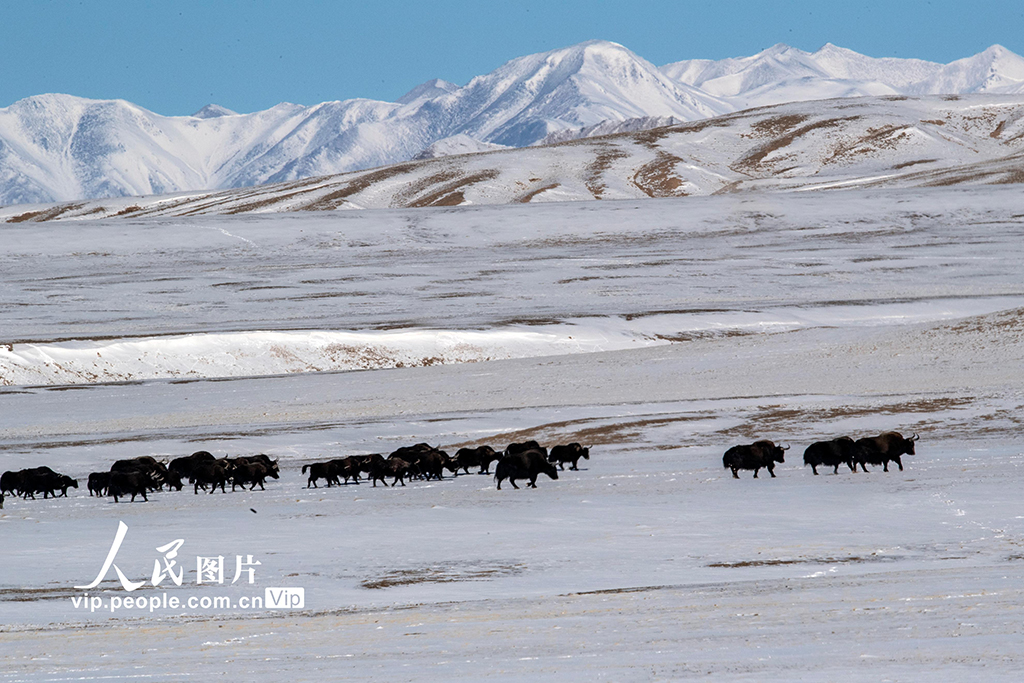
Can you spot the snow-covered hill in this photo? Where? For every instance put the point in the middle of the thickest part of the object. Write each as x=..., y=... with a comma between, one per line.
x=786, y=74
x=57, y=148
x=832, y=144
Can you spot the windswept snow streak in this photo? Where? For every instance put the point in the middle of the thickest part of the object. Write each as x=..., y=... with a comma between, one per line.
x=245, y=354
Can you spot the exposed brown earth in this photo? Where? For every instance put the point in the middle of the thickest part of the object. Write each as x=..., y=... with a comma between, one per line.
x=452, y=193
x=441, y=574
x=528, y=197
x=604, y=157
x=754, y=161
x=658, y=179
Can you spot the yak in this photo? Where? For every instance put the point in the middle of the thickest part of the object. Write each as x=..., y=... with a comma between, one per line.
x=251, y=473
x=321, y=470
x=9, y=482
x=886, y=447
x=433, y=464
x=66, y=482
x=98, y=483
x=210, y=472
x=134, y=482
x=481, y=456
x=528, y=464
x=392, y=467
x=346, y=468
x=370, y=463
x=754, y=456
x=514, y=448
x=562, y=454
x=183, y=466
x=832, y=454
x=39, y=480
x=412, y=453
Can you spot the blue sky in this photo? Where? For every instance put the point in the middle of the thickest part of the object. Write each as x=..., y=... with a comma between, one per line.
x=174, y=57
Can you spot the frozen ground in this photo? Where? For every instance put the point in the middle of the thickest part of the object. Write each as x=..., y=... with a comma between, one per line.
x=794, y=318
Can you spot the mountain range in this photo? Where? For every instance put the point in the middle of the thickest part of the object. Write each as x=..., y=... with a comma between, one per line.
x=836, y=144
x=59, y=148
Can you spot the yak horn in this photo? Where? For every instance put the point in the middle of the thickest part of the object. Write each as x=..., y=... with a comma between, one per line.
x=785, y=448
x=914, y=437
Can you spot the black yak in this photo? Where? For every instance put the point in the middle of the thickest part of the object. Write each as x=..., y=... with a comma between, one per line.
x=562, y=454
x=881, y=449
x=832, y=454
x=481, y=456
x=753, y=457
x=528, y=464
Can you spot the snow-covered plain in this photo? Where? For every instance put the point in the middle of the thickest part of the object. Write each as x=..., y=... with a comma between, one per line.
x=699, y=323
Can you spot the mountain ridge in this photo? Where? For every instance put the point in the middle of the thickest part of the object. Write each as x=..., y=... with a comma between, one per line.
x=60, y=147
x=837, y=144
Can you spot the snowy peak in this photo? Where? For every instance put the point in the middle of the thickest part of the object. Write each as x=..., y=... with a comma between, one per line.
x=784, y=74
x=212, y=111
x=428, y=91
x=531, y=97
x=996, y=70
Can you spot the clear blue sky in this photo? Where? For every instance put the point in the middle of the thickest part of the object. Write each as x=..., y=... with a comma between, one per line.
x=173, y=57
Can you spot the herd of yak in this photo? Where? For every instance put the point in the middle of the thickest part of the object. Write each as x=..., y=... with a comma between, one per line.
x=139, y=476
x=873, y=450
x=519, y=461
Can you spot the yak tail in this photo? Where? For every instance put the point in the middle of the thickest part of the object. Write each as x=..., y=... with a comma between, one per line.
x=304, y=468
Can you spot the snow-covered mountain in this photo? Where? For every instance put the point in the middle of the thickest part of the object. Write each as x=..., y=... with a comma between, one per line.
x=890, y=141
x=786, y=74
x=60, y=148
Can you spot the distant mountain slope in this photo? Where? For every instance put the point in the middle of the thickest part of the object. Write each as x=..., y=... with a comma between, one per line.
x=59, y=147
x=829, y=144
x=786, y=74
x=62, y=148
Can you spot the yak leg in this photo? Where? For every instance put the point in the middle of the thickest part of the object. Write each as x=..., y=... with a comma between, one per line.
x=900, y=463
x=756, y=470
x=814, y=468
x=885, y=466
x=735, y=474
x=513, y=482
